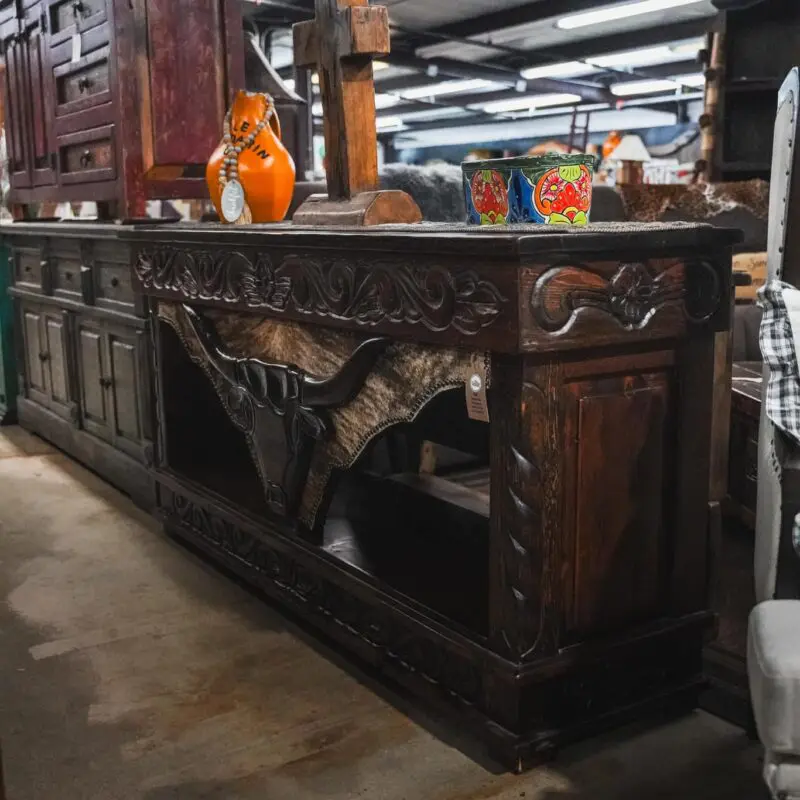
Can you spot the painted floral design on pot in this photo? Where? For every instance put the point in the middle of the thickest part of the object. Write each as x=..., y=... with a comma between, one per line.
x=554, y=189
x=490, y=197
x=563, y=196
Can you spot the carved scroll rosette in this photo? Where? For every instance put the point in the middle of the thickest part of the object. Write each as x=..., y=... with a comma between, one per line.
x=633, y=295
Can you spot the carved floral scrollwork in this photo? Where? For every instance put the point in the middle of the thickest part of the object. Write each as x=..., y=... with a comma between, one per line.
x=454, y=675
x=633, y=295
x=368, y=292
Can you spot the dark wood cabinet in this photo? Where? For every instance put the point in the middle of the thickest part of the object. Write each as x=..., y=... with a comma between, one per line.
x=84, y=349
x=112, y=363
x=48, y=367
x=102, y=105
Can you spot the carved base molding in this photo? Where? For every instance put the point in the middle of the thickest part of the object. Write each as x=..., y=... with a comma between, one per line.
x=523, y=713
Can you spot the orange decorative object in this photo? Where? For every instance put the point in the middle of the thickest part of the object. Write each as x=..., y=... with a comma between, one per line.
x=264, y=169
x=611, y=143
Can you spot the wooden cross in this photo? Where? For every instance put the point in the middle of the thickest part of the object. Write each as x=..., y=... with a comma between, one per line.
x=341, y=43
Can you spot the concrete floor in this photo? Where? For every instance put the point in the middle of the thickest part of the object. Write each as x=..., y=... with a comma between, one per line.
x=130, y=669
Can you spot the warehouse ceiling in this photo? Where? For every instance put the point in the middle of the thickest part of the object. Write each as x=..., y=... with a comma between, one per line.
x=483, y=70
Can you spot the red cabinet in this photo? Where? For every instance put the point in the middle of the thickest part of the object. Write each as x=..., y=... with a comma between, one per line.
x=105, y=102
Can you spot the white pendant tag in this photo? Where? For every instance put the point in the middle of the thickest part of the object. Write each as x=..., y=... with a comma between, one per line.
x=76, y=47
x=232, y=201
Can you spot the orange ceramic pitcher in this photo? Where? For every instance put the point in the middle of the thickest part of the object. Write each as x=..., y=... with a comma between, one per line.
x=265, y=169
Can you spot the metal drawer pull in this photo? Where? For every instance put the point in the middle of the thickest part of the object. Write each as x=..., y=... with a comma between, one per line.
x=86, y=158
x=28, y=268
x=44, y=357
x=77, y=9
x=68, y=276
x=84, y=84
x=106, y=383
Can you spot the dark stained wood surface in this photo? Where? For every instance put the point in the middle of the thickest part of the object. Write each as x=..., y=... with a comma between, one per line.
x=518, y=289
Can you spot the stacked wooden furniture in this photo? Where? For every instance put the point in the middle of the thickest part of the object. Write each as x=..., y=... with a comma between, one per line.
x=106, y=102
x=83, y=349
x=755, y=49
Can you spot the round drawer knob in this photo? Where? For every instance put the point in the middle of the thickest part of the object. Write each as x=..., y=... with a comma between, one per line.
x=115, y=282
x=86, y=158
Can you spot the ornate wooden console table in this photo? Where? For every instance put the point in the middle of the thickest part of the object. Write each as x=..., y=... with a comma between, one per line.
x=561, y=585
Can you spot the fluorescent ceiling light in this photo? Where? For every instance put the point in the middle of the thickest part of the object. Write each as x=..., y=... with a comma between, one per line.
x=528, y=103
x=389, y=124
x=634, y=58
x=567, y=69
x=432, y=113
x=642, y=87
x=624, y=11
x=447, y=87
x=694, y=81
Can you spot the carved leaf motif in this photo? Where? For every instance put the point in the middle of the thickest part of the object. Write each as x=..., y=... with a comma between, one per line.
x=368, y=292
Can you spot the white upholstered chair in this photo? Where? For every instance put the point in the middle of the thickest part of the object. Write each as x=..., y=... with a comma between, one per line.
x=774, y=631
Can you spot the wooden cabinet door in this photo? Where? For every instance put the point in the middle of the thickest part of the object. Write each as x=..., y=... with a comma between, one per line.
x=39, y=91
x=124, y=360
x=93, y=379
x=16, y=111
x=55, y=333
x=189, y=86
x=34, y=350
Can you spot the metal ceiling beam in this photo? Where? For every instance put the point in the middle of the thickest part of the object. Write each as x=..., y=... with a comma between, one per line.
x=452, y=68
x=510, y=17
x=612, y=43
x=474, y=98
x=460, y=122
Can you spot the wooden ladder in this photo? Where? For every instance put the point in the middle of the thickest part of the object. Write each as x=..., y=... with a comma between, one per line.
x=576, y=130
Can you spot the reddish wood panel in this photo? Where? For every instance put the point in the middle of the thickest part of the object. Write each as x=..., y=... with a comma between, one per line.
x=188, y=89
x=617, y=448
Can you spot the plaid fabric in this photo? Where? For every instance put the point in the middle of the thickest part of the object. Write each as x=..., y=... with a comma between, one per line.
x=777, y=347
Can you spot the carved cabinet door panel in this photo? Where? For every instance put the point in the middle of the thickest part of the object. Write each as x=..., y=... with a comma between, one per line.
x=55, y=332
x=38, y=88
x=187, y=83
x=33, y=347
x=94, y=394
x=19, y=166
x=126, y=390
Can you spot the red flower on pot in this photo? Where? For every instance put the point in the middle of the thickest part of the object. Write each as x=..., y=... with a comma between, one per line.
x=490, y=196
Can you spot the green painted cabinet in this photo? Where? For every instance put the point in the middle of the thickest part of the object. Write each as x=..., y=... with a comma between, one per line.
x=8, y=368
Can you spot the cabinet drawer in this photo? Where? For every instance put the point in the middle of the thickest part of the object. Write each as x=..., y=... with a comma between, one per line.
x=67, y=16
x=83, y=84
x=88, y=156
x=113, y=285
x=30, y=269
x=67, y=278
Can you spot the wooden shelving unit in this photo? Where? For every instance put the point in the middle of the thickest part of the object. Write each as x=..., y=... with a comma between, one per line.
x=760, y=46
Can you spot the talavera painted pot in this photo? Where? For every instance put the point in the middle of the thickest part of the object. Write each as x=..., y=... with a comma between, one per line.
x=553, y=189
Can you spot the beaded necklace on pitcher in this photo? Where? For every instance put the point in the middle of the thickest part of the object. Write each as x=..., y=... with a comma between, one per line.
x=234, y=202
